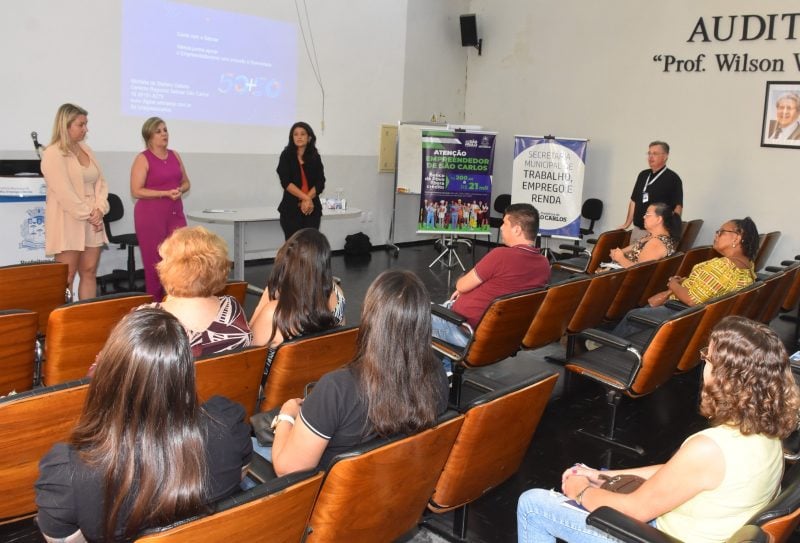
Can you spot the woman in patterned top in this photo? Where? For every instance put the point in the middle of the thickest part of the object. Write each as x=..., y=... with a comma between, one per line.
x=194, y=267
x=663, y=231
x=301, y=296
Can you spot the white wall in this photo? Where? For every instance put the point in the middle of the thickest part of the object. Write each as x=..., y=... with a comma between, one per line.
x=585, y=69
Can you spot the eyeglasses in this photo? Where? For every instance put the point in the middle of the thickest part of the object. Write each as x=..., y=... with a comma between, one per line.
x=722, y=231
x=648, y=215
x=656, y=154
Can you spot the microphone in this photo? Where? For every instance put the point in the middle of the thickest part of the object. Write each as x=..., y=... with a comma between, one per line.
x=36, y=144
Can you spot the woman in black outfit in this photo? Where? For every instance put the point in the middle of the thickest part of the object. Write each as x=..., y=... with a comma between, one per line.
x=303, y=180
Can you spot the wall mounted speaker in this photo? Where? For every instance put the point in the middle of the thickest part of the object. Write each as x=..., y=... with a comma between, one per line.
x=469, y=30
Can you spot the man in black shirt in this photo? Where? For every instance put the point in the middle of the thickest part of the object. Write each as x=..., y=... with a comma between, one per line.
x=655, y=184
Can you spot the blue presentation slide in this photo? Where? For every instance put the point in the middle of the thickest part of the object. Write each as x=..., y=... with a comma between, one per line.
x=193, y=63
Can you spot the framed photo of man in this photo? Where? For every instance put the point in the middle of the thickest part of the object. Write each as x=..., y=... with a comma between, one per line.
x=781, y=123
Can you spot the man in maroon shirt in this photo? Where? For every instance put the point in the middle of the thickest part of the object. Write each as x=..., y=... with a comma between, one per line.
x=518, y=266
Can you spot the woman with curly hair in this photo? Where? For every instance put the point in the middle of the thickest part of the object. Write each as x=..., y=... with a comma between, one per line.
x=719, y=477
x=194, y=267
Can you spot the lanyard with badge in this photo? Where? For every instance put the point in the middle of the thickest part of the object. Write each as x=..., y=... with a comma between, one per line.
x=645, y=196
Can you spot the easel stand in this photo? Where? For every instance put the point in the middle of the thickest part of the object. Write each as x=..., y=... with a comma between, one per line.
x=449, y=242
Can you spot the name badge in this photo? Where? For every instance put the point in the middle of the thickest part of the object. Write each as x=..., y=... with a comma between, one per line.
x=645, y=197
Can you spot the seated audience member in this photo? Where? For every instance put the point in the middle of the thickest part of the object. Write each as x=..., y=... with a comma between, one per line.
x=394, y=384
x=719, y=477
x=194, y=266
x=144, y=452
x=301, y=296
x=663, y=233
x=504, y=270
x=737, y=242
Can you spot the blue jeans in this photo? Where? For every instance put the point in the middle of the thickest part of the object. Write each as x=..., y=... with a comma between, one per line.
x=541, y=518
x=450, y=332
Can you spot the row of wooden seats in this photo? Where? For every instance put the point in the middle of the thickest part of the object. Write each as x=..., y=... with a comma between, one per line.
x=378, y=491
x=31, y=422
x=638, y=365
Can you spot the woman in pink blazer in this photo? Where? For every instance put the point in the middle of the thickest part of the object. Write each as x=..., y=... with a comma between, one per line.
x=77, y=199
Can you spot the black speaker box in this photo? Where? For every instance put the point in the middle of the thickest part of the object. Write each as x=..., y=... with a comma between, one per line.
x=469, y=30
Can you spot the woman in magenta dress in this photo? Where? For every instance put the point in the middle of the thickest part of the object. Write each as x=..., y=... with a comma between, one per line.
x=158, y=182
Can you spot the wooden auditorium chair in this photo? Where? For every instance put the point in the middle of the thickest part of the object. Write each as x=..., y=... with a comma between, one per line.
x=36, y=287
x=234, y=374
x=715, y=310
x=632, y=288
x=303, y=360
x=497, y=336
x=667, y=267
x=766, y=244
x=76, y=333
x=590, y=263
x=694, y=256
x=592, y=308
x=272, y=512
x=772, y=306
x=481, y=459
x=30, y=424
x=17, y=349
x=550, y=322
x=689, y=232
x=378, y=491
x=634, y=366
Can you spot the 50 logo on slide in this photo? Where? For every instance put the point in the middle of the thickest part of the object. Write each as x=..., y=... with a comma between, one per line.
x=241, y=84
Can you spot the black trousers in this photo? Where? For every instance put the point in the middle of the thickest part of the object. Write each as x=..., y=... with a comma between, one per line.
x=294, y=220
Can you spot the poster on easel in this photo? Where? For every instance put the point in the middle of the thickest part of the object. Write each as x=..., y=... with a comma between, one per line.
x=548, y=173
x=456, y=191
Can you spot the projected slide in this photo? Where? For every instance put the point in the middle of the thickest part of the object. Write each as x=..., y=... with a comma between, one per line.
x=187, y=62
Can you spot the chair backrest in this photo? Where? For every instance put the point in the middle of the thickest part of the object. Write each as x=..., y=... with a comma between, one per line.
x=760, y=301
x=689, y=232
x=782, y=515
x=31, y=423
x=631, y=290
x=716, y=310
x=661, y=355
x=501, y=203
x=551, y=320
x=499, y=333
x=772, y=306
x=693, y=256
x=592, y=210
x=767, y=243
x=792, y=295
x=235, y=375
x=276, y=511
x=302, y=360
x=77, y=332
x=378, y=491
x=605, y=242
x=667, y=267
x=747, y=300
x=479, y=461
x=237, y=289
x=17, y=350
x=36, y=287
x=115, y=212
x=596, y=300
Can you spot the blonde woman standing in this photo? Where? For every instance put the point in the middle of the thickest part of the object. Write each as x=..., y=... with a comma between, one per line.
x=77, y=200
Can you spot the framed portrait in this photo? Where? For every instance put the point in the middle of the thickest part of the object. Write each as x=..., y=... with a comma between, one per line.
x=781, y=123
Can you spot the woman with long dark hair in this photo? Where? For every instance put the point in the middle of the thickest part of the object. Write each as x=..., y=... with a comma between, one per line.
x=302, y=177
x=301, y=296
x=719, y=477
x=394, y=384
x=144, y=453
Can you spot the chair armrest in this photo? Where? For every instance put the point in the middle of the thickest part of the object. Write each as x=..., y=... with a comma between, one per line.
x=600, y=336
x=676, y=305
x=645, y=320
x=625, y=528
x=447, y=314
x=260, y=470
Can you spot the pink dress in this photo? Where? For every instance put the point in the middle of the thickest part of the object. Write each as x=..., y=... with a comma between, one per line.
x=156, y=218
